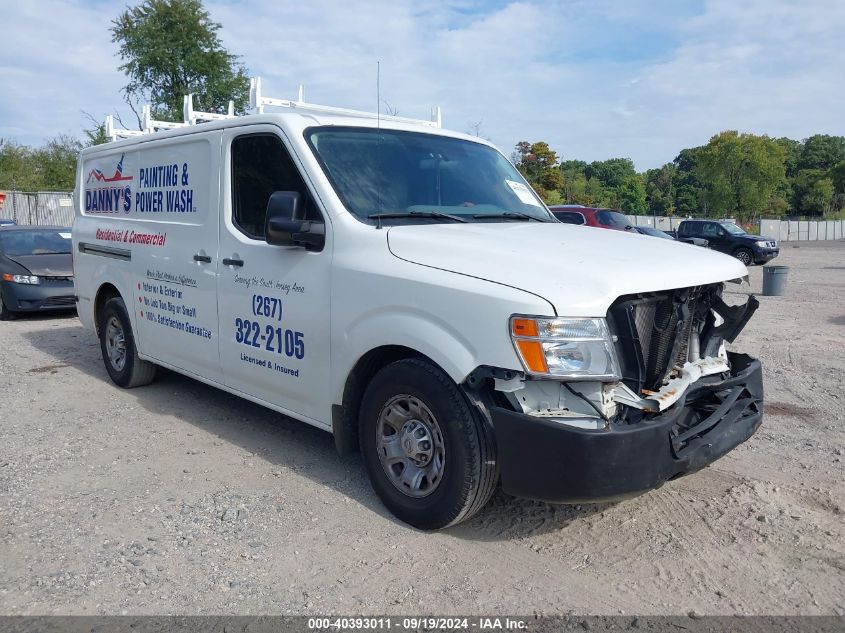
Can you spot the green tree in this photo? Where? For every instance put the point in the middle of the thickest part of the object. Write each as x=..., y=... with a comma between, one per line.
x=56, y=163
x=170, y=48
x=821, y=151
x=52, y=167
x=631, y=196
x=538, y=163
x=611, y=172
x=813, y=192
x=595, y=195
x=574, y=180
x=17, y=166
x=689, y=189
x=660, y=189
x=95, y=135
x=837, y=175
x=742, y=172
x=792, y=153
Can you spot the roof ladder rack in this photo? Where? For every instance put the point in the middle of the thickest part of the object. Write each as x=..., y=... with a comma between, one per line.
x=151, y=125
x=192, y=117
x=257, y=103
x=118, y=133
x=148, y=126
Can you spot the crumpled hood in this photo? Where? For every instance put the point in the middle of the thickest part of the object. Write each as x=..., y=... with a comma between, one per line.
x=579, y=270
x=46, y=265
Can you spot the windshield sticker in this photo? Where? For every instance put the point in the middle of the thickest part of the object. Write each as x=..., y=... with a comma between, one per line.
x=65, y=235
x=523, y=193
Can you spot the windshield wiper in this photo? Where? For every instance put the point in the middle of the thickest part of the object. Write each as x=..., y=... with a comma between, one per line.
x=414, y=214
x=508, y=215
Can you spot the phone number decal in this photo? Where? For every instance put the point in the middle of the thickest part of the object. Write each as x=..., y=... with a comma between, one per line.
x=271, y=339
x=269, y=307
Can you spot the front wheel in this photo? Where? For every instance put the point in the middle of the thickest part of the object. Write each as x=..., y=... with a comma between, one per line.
x=118, y=346
x=430, y=457
x=744, y=255
x=5, y=313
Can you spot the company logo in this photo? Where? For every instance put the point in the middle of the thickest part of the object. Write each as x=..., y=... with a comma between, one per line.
x=99, y=176
x=108, y=199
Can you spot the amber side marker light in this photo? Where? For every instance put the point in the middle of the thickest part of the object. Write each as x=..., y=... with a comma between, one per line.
x=531, y=351
x=524, y=327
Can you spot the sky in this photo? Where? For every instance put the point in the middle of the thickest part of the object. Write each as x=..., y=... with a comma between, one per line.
x=594, y=78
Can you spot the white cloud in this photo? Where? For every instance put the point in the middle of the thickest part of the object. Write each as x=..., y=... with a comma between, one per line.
x=595, y=79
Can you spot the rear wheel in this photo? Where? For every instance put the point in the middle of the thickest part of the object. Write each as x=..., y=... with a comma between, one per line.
x=744, y=255
x=430, y=457
x=118, y=346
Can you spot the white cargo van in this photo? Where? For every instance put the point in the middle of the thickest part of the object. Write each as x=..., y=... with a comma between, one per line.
x=403, y=288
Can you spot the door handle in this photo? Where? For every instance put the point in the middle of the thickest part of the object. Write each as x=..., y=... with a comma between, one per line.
x=202, y=258
x=233, y=262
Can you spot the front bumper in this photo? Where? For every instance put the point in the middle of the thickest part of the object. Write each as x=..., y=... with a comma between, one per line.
x=763, y=255
x=46, y=296
x=546, y=460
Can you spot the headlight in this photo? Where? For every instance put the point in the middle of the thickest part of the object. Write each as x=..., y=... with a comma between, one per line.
x=761, y=244
x=22, y=279
x=577, y=349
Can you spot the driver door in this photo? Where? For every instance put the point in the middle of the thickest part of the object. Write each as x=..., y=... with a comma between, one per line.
x=716, y=237
x=273, y=301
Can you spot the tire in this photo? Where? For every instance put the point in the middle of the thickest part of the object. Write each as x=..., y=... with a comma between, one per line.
x=418, y=404
x=745, y=256
x=5, y=313
x=117, y=344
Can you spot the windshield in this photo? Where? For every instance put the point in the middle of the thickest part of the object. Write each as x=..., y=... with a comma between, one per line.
x=613, y=218
x=647, y=230
x=732, y=228
x=35, y=242
x=569, y=217
x=421, y=176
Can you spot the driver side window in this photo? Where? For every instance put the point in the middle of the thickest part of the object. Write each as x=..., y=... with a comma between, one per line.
x=261, y=165
x=711, y=230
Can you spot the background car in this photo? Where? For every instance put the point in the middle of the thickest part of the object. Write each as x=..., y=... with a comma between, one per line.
x=36, y=270
x=592, y=216
x=648, y=230
x=728, y=238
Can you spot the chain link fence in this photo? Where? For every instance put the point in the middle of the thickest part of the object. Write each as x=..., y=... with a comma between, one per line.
x=44, y=208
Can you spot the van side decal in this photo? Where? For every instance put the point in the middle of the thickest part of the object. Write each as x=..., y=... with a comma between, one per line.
x=111, y=198
x=105, y=251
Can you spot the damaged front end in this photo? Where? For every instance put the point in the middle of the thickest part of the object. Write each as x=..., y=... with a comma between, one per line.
x=667, y=341
x=681, y=402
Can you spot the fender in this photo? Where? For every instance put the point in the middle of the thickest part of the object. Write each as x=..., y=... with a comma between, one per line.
x=100, y=271
x=407, y=327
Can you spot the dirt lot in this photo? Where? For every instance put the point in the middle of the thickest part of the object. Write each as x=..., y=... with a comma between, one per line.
x=178, y=498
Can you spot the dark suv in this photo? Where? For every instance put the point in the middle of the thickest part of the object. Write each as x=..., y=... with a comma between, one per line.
x=728, y=238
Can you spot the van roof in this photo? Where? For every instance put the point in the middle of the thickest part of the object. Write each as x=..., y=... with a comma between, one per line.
x=295, y=122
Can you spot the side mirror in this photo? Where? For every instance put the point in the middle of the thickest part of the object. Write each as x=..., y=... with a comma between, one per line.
x=285, y=223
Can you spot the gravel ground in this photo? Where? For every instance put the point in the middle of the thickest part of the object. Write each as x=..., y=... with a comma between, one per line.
x=179, y=498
